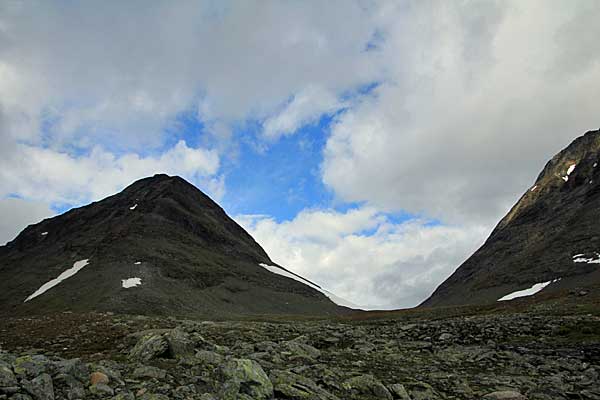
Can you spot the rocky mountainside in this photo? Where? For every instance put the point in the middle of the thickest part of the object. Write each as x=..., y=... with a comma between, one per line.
x=159, y=247
x=550, y=238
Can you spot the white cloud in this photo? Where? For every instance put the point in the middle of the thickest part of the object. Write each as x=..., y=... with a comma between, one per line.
x=122, y=72
x=17, y=214
x=305, y=108
x=477, y=98
x=52, y=176
x=364, y=257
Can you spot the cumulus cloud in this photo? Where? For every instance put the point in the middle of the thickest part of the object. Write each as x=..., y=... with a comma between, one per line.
x=364, y=257
x=124, y=71
x=52, y=176
x=18, y=213
x=477, y=98
x=303, y=109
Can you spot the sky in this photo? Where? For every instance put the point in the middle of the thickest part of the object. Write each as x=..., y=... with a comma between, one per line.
x=370, y=146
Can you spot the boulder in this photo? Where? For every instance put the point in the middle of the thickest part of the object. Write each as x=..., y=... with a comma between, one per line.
x=246, y=377
x=102, y=389
x=367, y=385
x=423, y=391
x=148, y=347
x=74, y=367
x=149, y=372
x=7, y=378
x=40, y=388
x=292, y=386
x=180, y=343
x=31, y=366
x=504, y=395
x=398, y=391
x=99, y=377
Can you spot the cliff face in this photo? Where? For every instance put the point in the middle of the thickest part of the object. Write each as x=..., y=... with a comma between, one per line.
x=552, y=233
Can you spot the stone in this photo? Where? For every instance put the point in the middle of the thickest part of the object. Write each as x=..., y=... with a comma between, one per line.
x=149, y=372
x=124, y=396
x=31, y=366
x=99, y=377
x=74, y=389
x=292, y=386
x=74, y=367
x=7, y=378
x=101, y=389
x=367, y=385
x=398, y=391
x=20, y=396
x=246, y=377
x=299, y=349
x=148, y=347
x=504, y=395
x=153, y=396
x=180, y=343
x=209, y=357
x=423, y=391
x=40, y=388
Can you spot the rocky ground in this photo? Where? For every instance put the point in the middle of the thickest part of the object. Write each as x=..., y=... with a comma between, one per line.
x=516, y=353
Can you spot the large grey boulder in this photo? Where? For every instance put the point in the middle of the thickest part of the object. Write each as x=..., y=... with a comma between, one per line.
x=246, y=377
x=148, y=347
x=504, y=395
x=40, y=388
x=367, y=385
x=292, y=386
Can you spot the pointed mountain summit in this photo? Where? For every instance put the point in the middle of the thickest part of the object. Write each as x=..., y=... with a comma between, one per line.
x=549, y=241
x=161, y=246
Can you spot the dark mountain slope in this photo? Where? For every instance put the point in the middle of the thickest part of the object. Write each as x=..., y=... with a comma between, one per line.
x=553, y=232
x=191, y=258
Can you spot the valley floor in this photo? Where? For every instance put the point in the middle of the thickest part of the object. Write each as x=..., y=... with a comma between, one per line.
x=548, y=350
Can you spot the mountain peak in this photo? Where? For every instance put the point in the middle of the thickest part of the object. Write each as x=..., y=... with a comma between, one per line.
x=186, y=255
x=549, y=238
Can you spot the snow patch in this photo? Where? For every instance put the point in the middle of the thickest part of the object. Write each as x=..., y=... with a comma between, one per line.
x=44, y=233
x=336, y=299
x=527, y=292
x=77, y=266
x=592, y=260
x=569, y=171
x=133, y=206
x=131, y=282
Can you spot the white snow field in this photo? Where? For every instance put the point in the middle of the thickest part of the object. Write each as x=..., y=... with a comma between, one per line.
x=66, y=274
x=527, y=292
x=569, y=171
x=336, y=299
x=578, y=258
x=131, y=282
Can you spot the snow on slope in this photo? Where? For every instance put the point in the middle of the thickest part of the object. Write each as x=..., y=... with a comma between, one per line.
x=527, y=292
x=77, y=266
x=131, y=282
x=579, y=258
x=337, y=300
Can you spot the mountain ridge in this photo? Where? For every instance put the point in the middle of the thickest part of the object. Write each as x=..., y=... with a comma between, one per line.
x=190, y=256
x=538, y=238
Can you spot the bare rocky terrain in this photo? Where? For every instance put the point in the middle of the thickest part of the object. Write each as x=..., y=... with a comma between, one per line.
x=548, y=349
